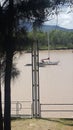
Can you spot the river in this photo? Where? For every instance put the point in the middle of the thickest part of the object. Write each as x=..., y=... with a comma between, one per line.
x=56, y=81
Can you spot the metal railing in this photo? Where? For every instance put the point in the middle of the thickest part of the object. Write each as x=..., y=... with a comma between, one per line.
x=24, y=109
x=56, y=108
x=20, y=109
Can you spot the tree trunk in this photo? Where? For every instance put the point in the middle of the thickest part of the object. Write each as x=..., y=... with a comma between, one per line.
x=1, y=119
x=7, y=100
x=8, y=69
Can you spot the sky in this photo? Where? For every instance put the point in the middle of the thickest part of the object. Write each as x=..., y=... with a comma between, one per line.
x=63, y=19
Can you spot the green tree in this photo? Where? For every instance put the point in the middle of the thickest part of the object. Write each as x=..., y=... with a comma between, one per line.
x=61, y=39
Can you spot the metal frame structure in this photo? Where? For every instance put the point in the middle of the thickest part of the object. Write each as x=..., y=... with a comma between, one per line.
x=35, y=80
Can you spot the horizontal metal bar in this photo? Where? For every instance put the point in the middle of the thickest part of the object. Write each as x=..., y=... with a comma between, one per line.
x=56, y=110
x=55, y=104
x=12, y=102
x=21, y=115
x=20, y=101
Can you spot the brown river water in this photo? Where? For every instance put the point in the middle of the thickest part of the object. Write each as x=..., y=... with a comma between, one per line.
x=56, y=81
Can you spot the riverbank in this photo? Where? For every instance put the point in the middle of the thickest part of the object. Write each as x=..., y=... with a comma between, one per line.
x=42, y=124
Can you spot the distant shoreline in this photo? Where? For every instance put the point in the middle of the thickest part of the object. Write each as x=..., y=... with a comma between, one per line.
x=41, y=50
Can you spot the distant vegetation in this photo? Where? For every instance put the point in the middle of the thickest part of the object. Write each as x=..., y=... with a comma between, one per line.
x=57, y=39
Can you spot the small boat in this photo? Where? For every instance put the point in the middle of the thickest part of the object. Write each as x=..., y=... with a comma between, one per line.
x=51, y=63
x=48, y=62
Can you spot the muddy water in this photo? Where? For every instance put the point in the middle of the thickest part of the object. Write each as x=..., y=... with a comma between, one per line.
x=56, y=81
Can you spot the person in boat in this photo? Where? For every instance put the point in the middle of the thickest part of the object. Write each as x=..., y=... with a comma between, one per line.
x=43, y=60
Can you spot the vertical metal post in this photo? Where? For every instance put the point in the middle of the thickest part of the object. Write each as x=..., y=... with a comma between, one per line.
x=35, y=80
x=17, y=108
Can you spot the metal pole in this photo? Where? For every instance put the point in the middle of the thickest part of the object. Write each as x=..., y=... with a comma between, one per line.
x=35, y=80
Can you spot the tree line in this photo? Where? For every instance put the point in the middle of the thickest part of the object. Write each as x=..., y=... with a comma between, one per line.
x=58, y=39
